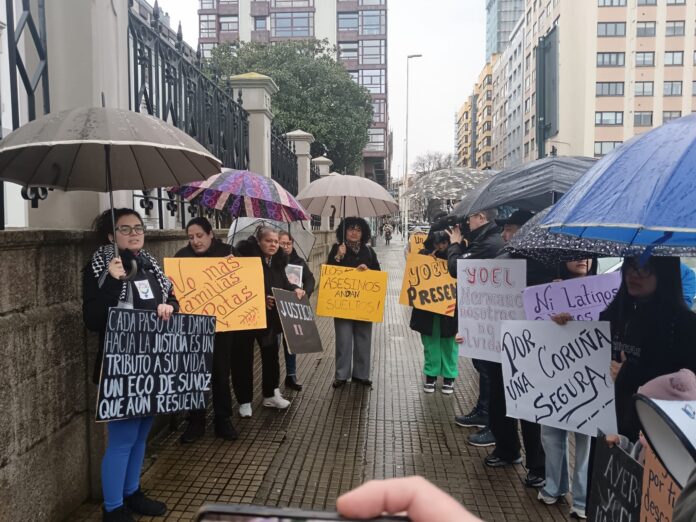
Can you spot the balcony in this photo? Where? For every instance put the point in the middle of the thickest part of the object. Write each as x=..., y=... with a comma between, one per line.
x=260, y=8
x=263, y=36
x=347, y=5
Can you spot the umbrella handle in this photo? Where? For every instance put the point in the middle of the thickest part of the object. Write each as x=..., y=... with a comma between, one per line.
x=133, y=272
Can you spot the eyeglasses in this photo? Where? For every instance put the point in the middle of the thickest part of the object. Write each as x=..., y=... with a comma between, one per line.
x=640, y=271
x=285, y=243
x=128, y=230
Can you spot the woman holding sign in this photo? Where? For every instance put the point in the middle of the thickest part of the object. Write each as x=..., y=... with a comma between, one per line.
x=353, y=338
x=203, y=243
x=104, y=287
x=264, y=244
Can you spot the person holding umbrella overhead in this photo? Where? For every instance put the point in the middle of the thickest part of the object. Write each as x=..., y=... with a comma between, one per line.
x=353, y=338
x=104, y=287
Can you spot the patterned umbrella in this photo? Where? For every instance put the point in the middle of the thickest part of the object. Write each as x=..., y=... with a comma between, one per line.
x=453, y=183
x=244, y=194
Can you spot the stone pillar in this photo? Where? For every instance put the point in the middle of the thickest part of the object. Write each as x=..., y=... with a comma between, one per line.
x=324, y=165
x=257, y=91
x=302, y=141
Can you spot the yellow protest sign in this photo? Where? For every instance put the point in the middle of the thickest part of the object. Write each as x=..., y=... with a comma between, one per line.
x=415, y=242
x=231, y=289
x=428, y=286
x=348, y=293
x=660, y=492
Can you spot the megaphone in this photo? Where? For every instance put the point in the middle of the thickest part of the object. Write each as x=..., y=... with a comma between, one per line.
x=670, y=428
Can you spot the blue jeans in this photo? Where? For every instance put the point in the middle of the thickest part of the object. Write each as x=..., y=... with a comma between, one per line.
x=484, y=399
x=123, y=459
x=555, y=442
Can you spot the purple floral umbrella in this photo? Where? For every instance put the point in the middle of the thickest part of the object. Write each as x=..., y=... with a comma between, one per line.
x=242, y=193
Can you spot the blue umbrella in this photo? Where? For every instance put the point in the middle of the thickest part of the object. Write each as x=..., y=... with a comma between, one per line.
x=643, y=193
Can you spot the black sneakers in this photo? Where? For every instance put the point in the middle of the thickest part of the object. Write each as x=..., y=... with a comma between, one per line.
x=493, y=461
x=117, y=515
x=139, y=503
x=483, y=437
x=473, y=419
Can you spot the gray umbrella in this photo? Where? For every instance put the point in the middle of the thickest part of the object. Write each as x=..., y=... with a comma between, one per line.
x=453, y=183
x=532, y=186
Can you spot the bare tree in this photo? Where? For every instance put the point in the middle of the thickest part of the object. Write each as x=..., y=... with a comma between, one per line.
x=432, y=161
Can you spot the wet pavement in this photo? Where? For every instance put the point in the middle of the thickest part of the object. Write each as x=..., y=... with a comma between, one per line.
x=330, y=441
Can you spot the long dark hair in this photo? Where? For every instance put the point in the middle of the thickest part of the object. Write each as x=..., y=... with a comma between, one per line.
x=103, y=225
x=351, y=222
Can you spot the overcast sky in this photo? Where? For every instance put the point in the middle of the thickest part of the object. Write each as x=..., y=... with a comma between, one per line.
x=450, y=34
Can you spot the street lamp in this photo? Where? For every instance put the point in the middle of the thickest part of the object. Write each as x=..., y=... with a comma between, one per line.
x=407, y=201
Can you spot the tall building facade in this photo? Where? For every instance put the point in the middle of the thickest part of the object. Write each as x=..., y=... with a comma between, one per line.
x=358, y=29
x=484, y=117
x=466, y=131
x=501, y=18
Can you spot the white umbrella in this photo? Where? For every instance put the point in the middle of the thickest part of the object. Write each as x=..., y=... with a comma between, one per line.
x=303, y=238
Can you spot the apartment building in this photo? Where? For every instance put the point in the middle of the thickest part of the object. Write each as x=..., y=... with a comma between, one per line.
x=358, y=29
x=484, y=116
x=501, y=18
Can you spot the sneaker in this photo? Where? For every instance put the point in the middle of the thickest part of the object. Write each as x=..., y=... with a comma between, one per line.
x=194, y=431
x=225, y=430
x=429, y=387
x=277, y=401
x=578, y=513
x=364, y=382
x=447, y=386
x=493, y=461
x=245, y=410
x=546, y=499
x=338, y=383
x=534, y=481
x=139, y=503
x=473, y=419
x=483, y=437
x=117, y=515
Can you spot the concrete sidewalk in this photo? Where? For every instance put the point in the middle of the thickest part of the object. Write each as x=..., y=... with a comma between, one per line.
x=330, y=441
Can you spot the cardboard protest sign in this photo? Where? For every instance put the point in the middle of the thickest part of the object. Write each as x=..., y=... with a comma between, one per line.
x=294, y=274
x=584, y=297
x=488, y=291
x=660, y=491
x=615, y=494
x=348, y=293
x=297, y=319
x=428, y=286
x=559, y=375
x=152, y=366
x=415, y=242
x=230, y=288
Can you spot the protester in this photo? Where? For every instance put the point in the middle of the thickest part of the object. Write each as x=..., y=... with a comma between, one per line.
x=483, y=242
x=264, y=245
x=104, y=287
x=353, y=338
x=203, y=243
x=437, y=331
x=387, y=233
x=287, y=244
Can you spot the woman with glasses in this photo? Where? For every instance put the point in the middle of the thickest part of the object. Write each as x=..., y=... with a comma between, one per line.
x=104, y=287
x=353, y=338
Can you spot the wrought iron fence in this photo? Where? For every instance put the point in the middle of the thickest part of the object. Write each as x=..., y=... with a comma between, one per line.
x=178, y=210
x=283, y=163
x=313, y=176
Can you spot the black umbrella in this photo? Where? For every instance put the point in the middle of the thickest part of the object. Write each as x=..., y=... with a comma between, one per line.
x=532, y=186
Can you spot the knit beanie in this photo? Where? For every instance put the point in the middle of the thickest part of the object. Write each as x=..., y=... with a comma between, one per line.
x=678, y=386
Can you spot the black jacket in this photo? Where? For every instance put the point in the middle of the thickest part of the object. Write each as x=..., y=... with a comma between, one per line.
x=484, y=243
x=365, y=256
x=273, y=277
x=422, y=320
x=308, y=281
x=217, y=249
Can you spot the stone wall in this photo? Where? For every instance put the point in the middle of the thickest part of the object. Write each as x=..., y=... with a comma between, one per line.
x=50, y=447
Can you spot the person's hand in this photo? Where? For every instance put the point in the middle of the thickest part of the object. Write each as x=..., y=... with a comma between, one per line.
x=299, y=293
x=341, y=250
x=611, y=440
x=418, y=498
x=458, y=339
x=362, y=267
x=228, y=257
x=270, y=302
x=563, y=318
x=455, y=235
x=116, y=268
x=165, y=311
x=616, y=366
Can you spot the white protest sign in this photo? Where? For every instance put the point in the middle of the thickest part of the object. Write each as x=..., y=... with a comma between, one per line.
x=559, y=375
x=488, y=291
x=583, y=297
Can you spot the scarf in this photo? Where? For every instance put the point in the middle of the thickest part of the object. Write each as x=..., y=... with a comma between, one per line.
x=354, y=246
x=103, y=256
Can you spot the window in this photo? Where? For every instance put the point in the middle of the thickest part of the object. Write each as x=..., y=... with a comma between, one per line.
x=673, y=89
x=604, y=147
x=643, y=118
x=206, y=27
x=670, y=115
x=260, y=23
x=207, y=4
x=645, y=29
x=693, y=88
x=375, y=140
x=611, y=3
x=611, y=29
x=373, y=80
x=207, y=49
x=645, y=59
x=292, y=3
x=644, y=89
x=354, y=76
x=348, y=50
x=373, y=22
x=371, y=2
x=379, y=111
x=286, y=25
x=610, y=59
x=674, y=58
x=674, y=28
x=228, y=3
x=676, y=2
x=229, y=23
x=647, y=2
x=609, y=89
x=372, y=52
x=608, y=118
x=347, y=21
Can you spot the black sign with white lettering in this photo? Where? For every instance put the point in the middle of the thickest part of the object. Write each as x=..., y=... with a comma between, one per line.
x=617, y=482
x=297, y=320
x=152, y=366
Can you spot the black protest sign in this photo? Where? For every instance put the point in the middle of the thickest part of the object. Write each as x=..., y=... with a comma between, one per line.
x=152, y=366
x=297, y=320
x=616, y=485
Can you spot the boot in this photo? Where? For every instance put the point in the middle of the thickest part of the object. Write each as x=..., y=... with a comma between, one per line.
x=117, y=515
x=139, y=503
x=291, y=382
x=195, y=429
x=225, y=430
x=277, y=401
